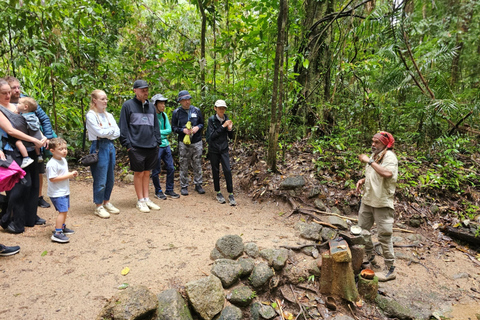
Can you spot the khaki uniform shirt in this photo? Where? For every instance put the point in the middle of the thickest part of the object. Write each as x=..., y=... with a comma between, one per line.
x=379, y=191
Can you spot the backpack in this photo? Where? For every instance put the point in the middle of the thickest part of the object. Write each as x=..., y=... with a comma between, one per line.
x=208, y=134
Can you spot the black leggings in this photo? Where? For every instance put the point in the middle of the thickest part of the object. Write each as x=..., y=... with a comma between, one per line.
x=224, y=159
x=22, y=200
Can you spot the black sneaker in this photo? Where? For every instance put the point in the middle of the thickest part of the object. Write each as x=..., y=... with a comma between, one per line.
x=232, y=201
x=160, y=196
x=59, y=237
x=184, y=191
x=220, y=198
x=199, y=189
x=8, y=251
x=11, y=228
x=172, y=194
x=42, y=203
x=40, y=221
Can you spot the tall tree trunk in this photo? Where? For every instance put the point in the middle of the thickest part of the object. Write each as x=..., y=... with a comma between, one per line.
x=328, y=117
x=203, y=61
x=464, y=23
x=276, y=106
x=310, y=78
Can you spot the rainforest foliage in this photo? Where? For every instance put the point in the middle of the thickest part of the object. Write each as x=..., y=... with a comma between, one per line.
x=330, y=71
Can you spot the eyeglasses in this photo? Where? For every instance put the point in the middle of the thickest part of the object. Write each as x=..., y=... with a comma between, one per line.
x=16, y=87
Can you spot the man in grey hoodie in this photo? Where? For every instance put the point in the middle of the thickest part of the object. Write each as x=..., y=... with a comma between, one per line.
x=140, y=135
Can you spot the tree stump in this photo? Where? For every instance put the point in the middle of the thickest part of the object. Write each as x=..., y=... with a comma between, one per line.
x=337, y=277
x=368, y=288
x=358, y=252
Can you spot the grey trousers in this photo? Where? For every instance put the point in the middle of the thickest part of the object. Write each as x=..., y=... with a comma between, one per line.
x=190, y=155
x=383, y=217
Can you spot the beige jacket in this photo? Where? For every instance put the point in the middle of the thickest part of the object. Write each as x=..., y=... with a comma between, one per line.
x=379, y=191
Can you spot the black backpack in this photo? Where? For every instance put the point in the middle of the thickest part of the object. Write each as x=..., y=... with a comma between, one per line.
x=208, y=134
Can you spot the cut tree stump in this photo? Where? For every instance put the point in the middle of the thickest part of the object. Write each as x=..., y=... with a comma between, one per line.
x=337, y=277
x=368, y=288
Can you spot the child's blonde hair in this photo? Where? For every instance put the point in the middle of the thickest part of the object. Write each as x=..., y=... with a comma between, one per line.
x=56, y=142
x=30, y=103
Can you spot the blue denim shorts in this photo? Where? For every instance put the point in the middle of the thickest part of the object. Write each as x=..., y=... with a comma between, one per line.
x=61, y=204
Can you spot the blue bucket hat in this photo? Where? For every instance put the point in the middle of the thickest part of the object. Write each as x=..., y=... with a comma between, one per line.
x=182, y=95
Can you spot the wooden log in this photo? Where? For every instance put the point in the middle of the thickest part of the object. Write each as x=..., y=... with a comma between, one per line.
x=461, y=234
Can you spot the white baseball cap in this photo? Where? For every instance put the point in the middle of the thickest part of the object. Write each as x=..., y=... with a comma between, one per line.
x=220, y=103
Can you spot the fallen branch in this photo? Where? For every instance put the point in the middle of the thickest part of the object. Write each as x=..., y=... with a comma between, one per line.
x=403, y=230
x=353, y=314
x=306, y=287
x=301, y=307
x=472, y=258
x=280, y=308
x=428, y=270
x=475, y=290
x=459, y=123
x=406, y=246
x=321, y=245
x=203, y=272
x=293, y=203
x=333, y=214
x=325, y=224
x=305, y=211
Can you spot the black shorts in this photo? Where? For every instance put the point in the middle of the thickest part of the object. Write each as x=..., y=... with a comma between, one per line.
x=143, y=159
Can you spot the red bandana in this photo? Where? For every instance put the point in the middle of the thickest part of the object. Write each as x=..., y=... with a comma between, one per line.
x=385, y=138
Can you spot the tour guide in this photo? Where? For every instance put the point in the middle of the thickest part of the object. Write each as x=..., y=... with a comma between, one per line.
x=377, y=203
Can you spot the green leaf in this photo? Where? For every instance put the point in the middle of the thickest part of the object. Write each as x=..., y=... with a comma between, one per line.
x=123, y=286
x=306, y=63
x=44, y=253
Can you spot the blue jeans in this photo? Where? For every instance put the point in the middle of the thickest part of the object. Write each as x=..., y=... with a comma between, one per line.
x=103, y=170
x=165, y=154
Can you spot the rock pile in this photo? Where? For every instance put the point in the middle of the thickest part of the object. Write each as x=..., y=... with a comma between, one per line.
x=246, y=282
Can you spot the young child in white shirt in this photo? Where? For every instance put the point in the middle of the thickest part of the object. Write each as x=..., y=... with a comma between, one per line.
x=59, y=187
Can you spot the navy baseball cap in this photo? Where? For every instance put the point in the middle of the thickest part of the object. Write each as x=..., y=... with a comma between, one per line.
x=139, y=84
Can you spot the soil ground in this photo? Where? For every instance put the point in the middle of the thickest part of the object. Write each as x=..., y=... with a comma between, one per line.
x=171, y=247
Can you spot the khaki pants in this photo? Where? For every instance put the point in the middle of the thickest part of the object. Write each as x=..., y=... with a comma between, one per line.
x=383, y=217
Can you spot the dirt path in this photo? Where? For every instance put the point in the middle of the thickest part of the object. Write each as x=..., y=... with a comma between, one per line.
x=163, y=249
x=168, y=248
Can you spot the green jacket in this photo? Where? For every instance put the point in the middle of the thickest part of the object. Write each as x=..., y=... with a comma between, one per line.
x=165, y=128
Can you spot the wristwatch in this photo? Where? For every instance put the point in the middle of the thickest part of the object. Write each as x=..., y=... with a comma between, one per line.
x=371, y=161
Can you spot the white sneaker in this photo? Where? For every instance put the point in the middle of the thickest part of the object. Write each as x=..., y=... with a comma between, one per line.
x=101, y=212
x=26, y=162
x=152, y=205
x=110, y=208
x=142, y=206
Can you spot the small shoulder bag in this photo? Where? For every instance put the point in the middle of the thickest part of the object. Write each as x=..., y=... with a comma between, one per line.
x=90, y=158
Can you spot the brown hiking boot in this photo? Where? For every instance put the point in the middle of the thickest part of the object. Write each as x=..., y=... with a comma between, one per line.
x=386, y=275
